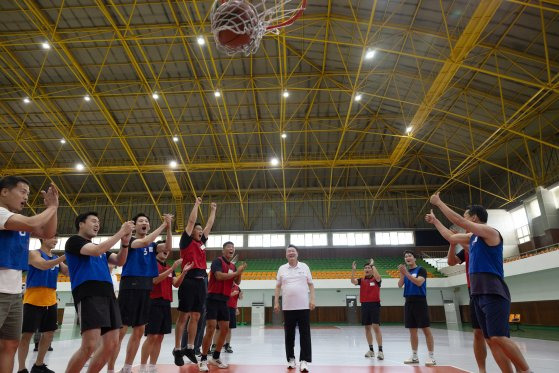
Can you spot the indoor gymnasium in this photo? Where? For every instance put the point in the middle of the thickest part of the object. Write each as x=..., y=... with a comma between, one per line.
x=329, y=186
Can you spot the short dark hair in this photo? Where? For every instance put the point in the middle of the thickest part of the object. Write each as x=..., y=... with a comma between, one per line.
x=81, y=218
x=197, y=223
x=228, y=243
x=409, y=252
x=367, y=264
x=10, y=182
x=157, y=243
x=139, y=215
x=479, y=211
x=293, y=246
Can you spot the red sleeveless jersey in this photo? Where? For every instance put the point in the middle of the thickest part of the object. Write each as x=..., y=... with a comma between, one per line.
x=194, y=252
x=164, y=288
x=232, y=302
x=370, y=290
x=222, y=287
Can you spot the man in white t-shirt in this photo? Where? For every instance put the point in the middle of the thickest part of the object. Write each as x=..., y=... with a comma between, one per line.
x=294, y=280
x=15, y=230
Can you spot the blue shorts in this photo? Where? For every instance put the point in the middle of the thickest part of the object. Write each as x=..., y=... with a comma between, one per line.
x=492, y=313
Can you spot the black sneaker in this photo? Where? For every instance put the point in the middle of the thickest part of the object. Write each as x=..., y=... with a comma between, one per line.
x=228, y=349
x=24, y=370
x=177, y=354
x=50, y=348
x=189, y=353
x=41, y=369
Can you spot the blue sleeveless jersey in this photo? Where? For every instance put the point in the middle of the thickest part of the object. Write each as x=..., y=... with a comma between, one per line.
x=485, y=258
x=411, y=289
x=141, y=262
x=15, y=249
x=84, y=268
x=42, y=278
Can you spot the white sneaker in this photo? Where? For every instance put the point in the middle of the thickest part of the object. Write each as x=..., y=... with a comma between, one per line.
x=143, y=369
x=126, y=370
x=152, y=369
x=292, y=364
x=380, y=355
x=217, y=362
x=370, y=354
x=303, y=366
x=412, y=360
x=203, y=366
x=430, y=362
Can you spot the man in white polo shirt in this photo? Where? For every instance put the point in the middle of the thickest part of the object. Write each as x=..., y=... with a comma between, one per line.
x=294, y=280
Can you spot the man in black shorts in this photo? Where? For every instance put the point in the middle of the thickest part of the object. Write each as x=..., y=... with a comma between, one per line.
x=39, y=303
x=369, y=296
x=92, y=289
x=416, y=311
x=222, y=275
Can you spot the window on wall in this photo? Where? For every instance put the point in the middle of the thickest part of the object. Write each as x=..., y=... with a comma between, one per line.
x=308, y=239
x=520, y=221
x=394, y=238
x=266, y=240
x=534, y=208
x=351, y=239
x=555, y=192
x=217, y=240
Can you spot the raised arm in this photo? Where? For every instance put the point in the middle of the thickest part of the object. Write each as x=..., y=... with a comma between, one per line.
x=169, y=239
x=490, y=235
x=163, y=275
x=177, y=281
x=143, y=242
x=353, y=268
x=376, y=275
x=451, y=257
x=193, y=216
x=42, y=225
x=37, y=261
x=452, y=237
x=92, y=249
x=211, y=219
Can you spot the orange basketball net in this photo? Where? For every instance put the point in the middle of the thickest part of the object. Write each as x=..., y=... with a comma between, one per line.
x=253, y=19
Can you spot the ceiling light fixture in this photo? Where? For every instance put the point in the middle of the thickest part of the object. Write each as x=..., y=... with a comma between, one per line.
x=274, y=161
x=87, y=98
x=26, y=100
x=79, y=167
x=173, y=164
x=284, y=135
x=217, y=94
x=175, y=139
x=201, y=41
x=408, y=129
x=62, y=141
x=286, y=93
x=45, y=45
x=358, y=97
x=370, y=54
x=155, y=96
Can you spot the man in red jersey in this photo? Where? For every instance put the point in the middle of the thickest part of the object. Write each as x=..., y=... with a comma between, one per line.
x=369, y=296
x=159, y=321
x=192, y=292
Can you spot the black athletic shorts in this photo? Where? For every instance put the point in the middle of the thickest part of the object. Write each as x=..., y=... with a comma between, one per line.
x=134, y=306
x=217, y=310
x=43, y=319
x=370, y=313
x=232, y=318
x=159, y=317
x=97, y=312
x=416, y=313
x=192, y=295
x=473, y=317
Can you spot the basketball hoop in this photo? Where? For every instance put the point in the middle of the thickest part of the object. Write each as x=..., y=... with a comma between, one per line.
x=239, y=25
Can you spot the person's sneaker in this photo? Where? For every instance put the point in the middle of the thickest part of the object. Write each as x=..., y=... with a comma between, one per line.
x=411, y=360
x=292, y=364
x=126, y=369
x=430, y=362
x=24, y=370
x=380, y=355
x=303, y=367
x=203, y=366
x=189, y=353
x=143, y=369
x=179, y=361
x=370, y=353
x=41, y=369
x=50, y=348
x=228, y=349
x=152, y=369
x=217, y=362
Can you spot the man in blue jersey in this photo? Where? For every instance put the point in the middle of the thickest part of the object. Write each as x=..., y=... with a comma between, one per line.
x=15, y=230
x=489, y=292
x=39, y=303
x=416, y=312
x=136, y=282
x=92, y=289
